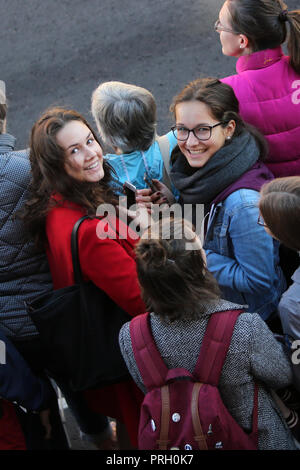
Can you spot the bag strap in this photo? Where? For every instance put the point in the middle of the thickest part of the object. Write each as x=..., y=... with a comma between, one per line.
x=74, y=248
x=148, y=359
x=213, y=353
x=164, y=147
x=217, y=336
x=215, y=345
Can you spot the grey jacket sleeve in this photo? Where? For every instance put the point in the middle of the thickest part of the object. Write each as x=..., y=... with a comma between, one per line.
x=127, y=353
x=269, y=360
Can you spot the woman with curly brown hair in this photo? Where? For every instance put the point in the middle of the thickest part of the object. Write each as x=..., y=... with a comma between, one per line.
x=71, y=179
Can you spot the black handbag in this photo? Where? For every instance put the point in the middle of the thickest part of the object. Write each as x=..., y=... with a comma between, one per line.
x=79, y=329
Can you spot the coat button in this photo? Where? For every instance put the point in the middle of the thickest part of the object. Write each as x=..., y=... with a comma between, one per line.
x=176, y=417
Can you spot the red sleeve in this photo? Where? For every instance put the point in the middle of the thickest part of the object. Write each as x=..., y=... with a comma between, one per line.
x=109, y=263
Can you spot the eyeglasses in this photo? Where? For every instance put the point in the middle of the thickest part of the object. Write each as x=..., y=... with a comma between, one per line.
x=219, y=27
x=261, y=221
x=200, y=132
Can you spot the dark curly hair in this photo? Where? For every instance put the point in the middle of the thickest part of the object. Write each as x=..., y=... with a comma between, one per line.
x=49, y=176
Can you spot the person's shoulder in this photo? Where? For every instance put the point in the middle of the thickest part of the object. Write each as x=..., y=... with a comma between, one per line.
x=242, y=197
x=240, y=84
x=248, y=326
x=15, y=159
x=63, y=213
x=172, y=139
x=112, y=158
x=15, y=168
x=233, y=80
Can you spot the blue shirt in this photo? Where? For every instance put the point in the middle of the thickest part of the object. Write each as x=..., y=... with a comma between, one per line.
x=132, y=166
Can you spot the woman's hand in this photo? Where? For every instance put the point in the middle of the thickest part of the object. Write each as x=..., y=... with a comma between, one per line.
x=162, y=196
x=146, y=197
x=166, y=196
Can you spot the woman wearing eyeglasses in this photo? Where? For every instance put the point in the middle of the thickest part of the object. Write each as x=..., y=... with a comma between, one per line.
x=218, y=163
x=267, y=83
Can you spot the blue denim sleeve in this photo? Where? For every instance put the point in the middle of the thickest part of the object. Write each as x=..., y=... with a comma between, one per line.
x=250, y=266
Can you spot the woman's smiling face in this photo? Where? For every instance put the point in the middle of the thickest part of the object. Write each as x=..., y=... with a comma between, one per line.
x=191, y=114
x=83, y=154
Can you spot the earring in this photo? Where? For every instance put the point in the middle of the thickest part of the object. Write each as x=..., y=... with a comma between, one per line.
x=228, y=137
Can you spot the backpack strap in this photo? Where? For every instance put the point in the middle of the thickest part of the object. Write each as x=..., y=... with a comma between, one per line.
x=148, y=359
x=213, y=353
x=215, y=345
x=164, y=147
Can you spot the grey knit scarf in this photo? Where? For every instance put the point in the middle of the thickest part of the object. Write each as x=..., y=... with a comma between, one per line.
x=223, y=168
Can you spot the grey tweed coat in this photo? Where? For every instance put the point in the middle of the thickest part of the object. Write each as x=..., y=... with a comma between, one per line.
x=253, y=355
x=24, y=270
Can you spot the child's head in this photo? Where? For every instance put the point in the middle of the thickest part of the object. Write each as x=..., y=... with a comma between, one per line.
x=279, y=206
x=174, y=279
x=125, y=115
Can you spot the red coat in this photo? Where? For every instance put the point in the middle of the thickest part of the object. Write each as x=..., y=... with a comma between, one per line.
x=110, y=264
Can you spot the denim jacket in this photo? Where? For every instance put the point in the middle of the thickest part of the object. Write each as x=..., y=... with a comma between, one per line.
x=242, y=256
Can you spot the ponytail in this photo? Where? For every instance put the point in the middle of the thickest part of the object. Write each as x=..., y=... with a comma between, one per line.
x=265, y=23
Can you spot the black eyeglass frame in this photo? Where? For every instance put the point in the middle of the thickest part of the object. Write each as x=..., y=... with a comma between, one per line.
x=174, y=129
x=261, y=221
x=218, y=27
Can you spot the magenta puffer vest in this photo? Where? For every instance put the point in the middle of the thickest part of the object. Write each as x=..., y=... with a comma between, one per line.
x=268, y=90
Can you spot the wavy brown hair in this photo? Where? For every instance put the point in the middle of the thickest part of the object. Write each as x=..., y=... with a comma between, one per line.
x=175, y=282
x=49, y=176
x=280, y=207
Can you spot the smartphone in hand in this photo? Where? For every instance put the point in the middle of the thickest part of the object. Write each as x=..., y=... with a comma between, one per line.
x=130, y=191
x=150, y=183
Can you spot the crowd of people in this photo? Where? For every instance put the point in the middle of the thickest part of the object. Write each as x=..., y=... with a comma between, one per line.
x=234, y=150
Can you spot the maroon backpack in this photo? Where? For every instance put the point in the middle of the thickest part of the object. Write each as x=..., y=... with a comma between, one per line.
x=182, y=410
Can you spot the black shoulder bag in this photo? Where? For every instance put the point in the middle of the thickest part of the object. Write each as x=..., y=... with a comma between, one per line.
x=79, y=329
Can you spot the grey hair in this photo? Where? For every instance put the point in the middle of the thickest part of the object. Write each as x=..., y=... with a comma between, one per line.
x=125, y=115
